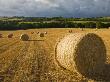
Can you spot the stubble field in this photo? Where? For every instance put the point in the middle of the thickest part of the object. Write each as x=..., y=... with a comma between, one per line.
x=34, y=60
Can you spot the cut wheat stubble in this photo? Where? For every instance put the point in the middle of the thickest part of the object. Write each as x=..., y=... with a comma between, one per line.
x=1, y=36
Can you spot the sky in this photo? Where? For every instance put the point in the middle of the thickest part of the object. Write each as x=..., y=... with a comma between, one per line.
x=53, y=8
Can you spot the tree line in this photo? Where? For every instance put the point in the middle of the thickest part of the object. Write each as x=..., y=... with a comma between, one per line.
x=41, y=19
x=13, y=25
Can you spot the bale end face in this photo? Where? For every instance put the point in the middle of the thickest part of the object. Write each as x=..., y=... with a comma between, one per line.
x=38, y=32
x=32, y=32
x=24, y=37
x=41, y=34
x=70, y=31
x=45, y=32
x=82, y=53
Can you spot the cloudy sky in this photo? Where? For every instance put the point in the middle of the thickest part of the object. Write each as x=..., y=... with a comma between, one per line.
x=49, y=8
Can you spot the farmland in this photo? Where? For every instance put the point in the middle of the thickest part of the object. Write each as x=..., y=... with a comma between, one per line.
x=34, y=60
x=23, y=23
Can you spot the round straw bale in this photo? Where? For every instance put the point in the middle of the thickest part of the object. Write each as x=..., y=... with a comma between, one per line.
x=83, y=53
x=45, y=32
x=32, y=32
x=41, y=34
x=10, y=35
x=70, y=31
x=96, y=29
x=38, y=32
x=24, y=37
x=82, y=29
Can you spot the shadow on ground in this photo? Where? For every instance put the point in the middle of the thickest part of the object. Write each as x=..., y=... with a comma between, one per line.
x=104, y=76
x=35, y=40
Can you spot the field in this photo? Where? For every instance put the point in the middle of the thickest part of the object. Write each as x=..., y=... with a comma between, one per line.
x=34, y=60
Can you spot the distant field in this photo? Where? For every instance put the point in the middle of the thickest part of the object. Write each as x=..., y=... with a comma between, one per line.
x=87, y=21
x=34, y=60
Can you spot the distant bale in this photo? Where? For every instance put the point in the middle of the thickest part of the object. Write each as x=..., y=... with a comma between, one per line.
x=82, y=29
x=42, y=34
x=70, y=31
x=32, y=32
x=45, y=32
x=82, y=53
x=96, y=29
x=10, y=36
x=38, y=32
x=24, y=37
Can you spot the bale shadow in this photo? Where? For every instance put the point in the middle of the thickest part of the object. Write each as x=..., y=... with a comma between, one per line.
x=106, y=73
x=104, y=76
x=35, y=40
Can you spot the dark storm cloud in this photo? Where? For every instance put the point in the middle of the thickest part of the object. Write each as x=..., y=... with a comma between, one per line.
x=68, y=8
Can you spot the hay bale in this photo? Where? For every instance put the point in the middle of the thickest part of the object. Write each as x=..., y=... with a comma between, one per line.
x=38, y=32
x=45, y=32
x=42, y=34
x=96, y=29
x=70, y=31
x=82, y=53
x=82, y=29
x=32, y=32
x=24, y=37
x=10, y=35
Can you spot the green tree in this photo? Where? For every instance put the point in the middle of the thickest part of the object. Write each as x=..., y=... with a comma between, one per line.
x=99, y=25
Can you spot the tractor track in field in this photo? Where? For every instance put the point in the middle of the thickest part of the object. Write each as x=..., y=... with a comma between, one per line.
x=10, y=71
x=11, y=53
x=3, y=43
x=5, y=60
x=33, y=65
x=23, y=72
x=6, y=41
x=44, y=60
x=7, y=46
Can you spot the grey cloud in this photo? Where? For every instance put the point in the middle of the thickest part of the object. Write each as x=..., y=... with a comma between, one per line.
x=68, y=8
